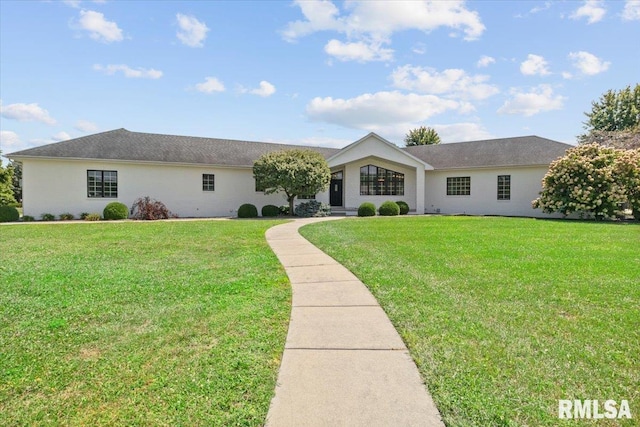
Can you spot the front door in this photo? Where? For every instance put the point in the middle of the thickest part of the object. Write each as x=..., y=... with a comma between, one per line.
x=335, y=191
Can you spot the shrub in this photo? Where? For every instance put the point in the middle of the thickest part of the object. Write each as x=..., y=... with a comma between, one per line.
x=270, y=210
x=115, y=210
x=247, y=211
x=312, y=208
x=28, y=218
x=66, y=217
x=367, y=209
x=92, y=217
x=84, y=215
x=146, y=208
x=9, y=214
x=404, y=207
x=48, y=217
x=284, y=210
x=389, y=208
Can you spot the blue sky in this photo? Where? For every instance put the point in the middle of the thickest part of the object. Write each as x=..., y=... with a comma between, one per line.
x=312, y=72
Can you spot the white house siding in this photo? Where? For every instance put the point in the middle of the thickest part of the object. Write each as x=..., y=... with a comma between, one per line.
x=525, y=187
x=351, y=183
x=373, y=150
x=60, y=186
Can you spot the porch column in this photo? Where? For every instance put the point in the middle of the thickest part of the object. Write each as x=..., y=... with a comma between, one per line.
x=419, y=190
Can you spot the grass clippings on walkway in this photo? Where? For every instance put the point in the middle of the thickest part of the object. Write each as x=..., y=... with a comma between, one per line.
x=504, y=316
x=135, y=323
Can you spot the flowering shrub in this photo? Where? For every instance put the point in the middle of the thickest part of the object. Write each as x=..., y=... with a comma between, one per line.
x=627, y=172
x=589, y=180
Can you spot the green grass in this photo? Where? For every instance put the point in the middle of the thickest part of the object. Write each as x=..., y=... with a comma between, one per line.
x=505, y=316
x=139, y=323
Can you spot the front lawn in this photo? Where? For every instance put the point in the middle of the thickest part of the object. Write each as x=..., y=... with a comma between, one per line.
x=504, y=316
x=140, y=323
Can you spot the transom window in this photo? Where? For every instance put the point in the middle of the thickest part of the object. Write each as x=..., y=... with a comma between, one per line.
x=379, y=181
x=504, y=187
x=102, y=183
x=208, y=182
x=459, y=186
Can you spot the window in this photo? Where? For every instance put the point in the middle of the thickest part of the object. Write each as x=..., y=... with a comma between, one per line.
x=504, y=187
x=102, y=183
x=459, y=186
x=208, y=182
x=378, y=181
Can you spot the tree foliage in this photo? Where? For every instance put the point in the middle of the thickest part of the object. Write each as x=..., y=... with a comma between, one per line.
x=17, y=179
x=294, y=172
x=592, y=180
x=6, y=184
x=422, y=136
x=615, y=111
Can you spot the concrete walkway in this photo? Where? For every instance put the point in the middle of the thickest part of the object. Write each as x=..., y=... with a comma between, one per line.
x=344, y=364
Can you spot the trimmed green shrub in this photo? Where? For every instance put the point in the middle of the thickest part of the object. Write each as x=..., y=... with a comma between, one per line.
x=312, y=208
x=389, y=208
x=115, y=210
x=367, y=209
x=270, y=210
x=247, y=211
x=66, y=216
x=92, y=217
x=28, y=218
x=404, y=207
x=9, y=214
x=48, y=217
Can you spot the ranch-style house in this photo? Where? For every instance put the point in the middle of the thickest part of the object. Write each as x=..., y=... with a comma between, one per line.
x=209, y=177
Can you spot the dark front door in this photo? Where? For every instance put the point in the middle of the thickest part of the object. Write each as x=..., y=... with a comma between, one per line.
x=335, y=191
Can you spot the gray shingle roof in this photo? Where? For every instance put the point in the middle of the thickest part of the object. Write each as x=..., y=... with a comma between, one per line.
x=518, y=151
x=121, y=144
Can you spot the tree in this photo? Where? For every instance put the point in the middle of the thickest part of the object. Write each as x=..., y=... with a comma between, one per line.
x=6, y=184
x=615, y=111
x=422, y=136
x=295, y=172
x=592, y=180
x=17, y=180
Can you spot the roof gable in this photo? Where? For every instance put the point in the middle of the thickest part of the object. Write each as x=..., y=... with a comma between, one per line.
x=374, y=145
x=517, y=151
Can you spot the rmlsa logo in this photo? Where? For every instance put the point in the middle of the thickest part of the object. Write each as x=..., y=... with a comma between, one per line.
x=591, y=409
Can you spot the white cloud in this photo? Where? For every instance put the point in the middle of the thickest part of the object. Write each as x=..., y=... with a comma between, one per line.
x=322, y=141
x=567, y=75
x=9, y=139
x=535, y=65
x=266, y=89
x=99, y=28
x=378, y=110
x=86, y=126
x=137, y=73
x=453, y=82
x=631, y=10
x=542, y=8
x=72, y=3
x=459, y=132
x=210, y=85
x=26, y=113
x=593, y=10
x=61, y=136
x=539, y=99
x=358, y=51
x=485, y=61
x=192, y=32
x=588, y=63
x=368, y=25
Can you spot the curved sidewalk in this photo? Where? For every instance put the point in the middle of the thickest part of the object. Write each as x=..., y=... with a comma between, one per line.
x=344, y=364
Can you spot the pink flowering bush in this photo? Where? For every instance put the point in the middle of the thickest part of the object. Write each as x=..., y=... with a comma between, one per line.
x=592, y=180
